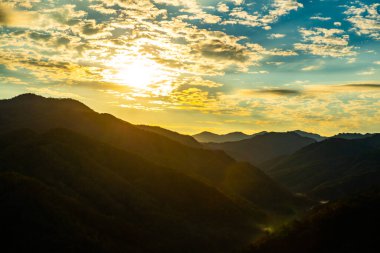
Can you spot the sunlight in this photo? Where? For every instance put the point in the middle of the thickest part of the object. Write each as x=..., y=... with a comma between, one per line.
x=140, y=73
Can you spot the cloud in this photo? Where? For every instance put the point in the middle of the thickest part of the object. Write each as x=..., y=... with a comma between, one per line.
x=368, y=72
x=273, y=13
x=312, y=67
x=276, y=36
x=53, y=93
x=63, y=46
x=325, y=42
x=222, y=7
x=365, y=19
x=320, y=18
x=365, y=85
x=281, y=92
x=236, y=2
x=192, y=7
x=102, y=9
x=15, y=18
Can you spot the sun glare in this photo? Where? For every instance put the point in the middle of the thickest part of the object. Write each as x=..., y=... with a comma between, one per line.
x=141, y=73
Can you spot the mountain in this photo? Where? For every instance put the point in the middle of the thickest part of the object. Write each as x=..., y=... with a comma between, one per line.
x=316, y=137
x=242, y=182
x=63, y=192
x=331, y=169
x=262, y=148
x=211, y=137
x=348, y=226
x=352, y=136
x=184, y=139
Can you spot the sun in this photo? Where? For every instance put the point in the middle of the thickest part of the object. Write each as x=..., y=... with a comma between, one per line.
x=140, y=73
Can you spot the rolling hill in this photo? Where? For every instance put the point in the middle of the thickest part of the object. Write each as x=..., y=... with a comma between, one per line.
x=331, y=169
x=262, y=148
x=352, y=136
x=316, y=137
x=205, y=137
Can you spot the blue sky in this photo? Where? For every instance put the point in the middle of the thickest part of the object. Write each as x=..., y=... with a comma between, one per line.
x=201, y=65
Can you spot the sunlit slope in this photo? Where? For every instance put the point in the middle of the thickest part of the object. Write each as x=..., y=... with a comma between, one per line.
x=333, y=168
x=212, y=167
x=63, y=192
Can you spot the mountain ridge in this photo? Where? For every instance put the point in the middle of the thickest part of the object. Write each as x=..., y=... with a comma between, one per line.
x=261, y=148
x=209, y=166
x=332, y=168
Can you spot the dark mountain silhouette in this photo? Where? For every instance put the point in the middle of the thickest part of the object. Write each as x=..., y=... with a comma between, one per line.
x=316, y=137
x=184, y=139
x=348, y=226
x=262, y=148
x=211, y=137
x=63, y=192
x=351, y=136
x=242, y=182
x=331, y=169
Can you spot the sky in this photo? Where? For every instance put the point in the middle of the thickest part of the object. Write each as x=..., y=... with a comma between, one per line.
x=190, y=66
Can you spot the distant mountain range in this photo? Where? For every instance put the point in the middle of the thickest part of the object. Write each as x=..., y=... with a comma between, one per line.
x=316, y=137
x=261, y=148
x=211, y=137
x=206, y=137
x=331, y=169
x=352, y=136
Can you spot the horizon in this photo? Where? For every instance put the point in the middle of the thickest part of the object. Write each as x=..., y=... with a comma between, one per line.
x=192, y=134
x=201, y=65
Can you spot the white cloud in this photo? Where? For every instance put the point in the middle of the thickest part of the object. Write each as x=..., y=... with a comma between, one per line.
x=236, y=2
x=274, y=12
x=312, y=68
x=320, y=18
x=276, y=36
x=325, y=42
x=222, y=7
x=368, y=72
x=194, y=8
x=365, y=19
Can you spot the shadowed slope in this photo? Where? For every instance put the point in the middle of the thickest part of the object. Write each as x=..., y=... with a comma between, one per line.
x=263, y=147
x=333, y=168
x=210, y=167
x=211, y=137
x=184, y=139
x=348, y=226
x=62, y=192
